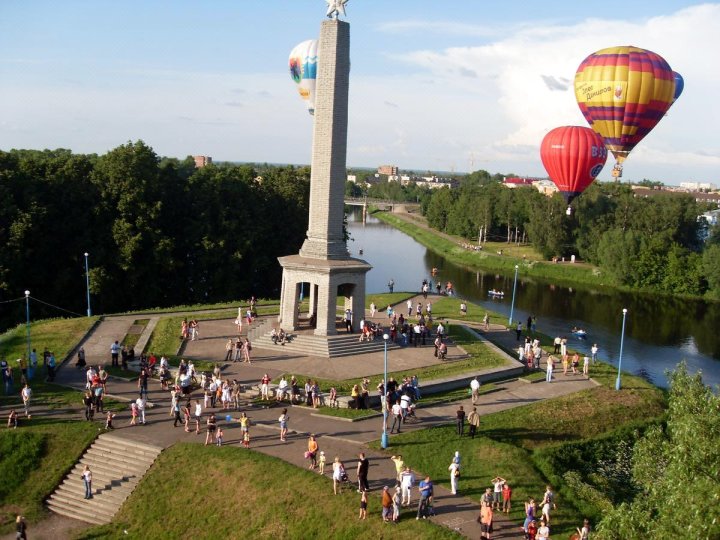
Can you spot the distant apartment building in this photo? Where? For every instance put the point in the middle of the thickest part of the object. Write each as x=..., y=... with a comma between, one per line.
x=514, y=181
x=697, y=186
x=352, y=178
x=388, y=170
x=202, y=161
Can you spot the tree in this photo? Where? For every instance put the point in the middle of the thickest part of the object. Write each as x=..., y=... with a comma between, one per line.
x=677, y=467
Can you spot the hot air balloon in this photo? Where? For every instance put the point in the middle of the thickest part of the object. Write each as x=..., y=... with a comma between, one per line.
x=623, y=92
x=303, y=70
x=679, y=85
x=573, y=156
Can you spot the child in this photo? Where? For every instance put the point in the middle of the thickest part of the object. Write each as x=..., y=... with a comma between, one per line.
x=207, y=399
x=321, y=461
x=133, y=413
x=219, y=436
x=363, y=504
x=246, y=439
x=397, y=501
x=12, y=419
x=109, y=420
x=333, y=398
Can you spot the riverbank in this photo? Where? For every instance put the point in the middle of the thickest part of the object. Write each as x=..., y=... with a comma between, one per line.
x=451, y=247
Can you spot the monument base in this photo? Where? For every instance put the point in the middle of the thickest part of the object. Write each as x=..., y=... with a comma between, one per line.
x=327, y=280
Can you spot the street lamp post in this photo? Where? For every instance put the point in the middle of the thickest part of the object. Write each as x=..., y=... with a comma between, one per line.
x=87, y=283
x=383, y=401
x=512, y=305
x=622, y=339
x=27, y=322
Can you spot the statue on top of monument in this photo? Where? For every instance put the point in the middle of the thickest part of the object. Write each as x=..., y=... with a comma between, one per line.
x=336, y=8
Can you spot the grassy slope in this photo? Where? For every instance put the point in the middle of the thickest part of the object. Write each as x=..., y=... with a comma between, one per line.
x=58, y=335
x=63, y=443
x=222, y=499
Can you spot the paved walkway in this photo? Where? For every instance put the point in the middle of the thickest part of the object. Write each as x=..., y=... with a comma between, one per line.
x=335, y=437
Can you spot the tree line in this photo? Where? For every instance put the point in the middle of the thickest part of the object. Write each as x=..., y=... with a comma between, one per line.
x=655, y=243
x=159, y=231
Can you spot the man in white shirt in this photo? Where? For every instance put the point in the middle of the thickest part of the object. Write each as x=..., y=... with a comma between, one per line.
x=474, y=389
x=281, y=389
x=397, y=417
x=409, y=306
x=407, y=481
x=141, y=409
x=405, y=402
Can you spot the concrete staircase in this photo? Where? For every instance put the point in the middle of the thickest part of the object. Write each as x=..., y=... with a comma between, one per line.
x=324, y=346
x=117, y=466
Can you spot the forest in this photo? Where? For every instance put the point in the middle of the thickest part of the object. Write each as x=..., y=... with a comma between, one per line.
x=644, y=243
x=159, y=232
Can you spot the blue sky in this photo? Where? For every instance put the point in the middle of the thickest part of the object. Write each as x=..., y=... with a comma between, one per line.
x=434, y=85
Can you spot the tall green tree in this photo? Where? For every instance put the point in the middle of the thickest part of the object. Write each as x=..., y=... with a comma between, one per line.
x=677, y=467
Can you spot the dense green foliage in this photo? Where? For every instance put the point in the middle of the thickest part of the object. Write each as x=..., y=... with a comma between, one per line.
x=676, y=467
x=645, y=243
x=159, y=232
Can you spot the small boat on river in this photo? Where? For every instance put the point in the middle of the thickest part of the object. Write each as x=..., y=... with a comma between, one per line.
x=579, y=332
x=495, y=294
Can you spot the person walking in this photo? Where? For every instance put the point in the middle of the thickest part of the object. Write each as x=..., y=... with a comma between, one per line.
x=26, y=394
x=20, y=528
x=460, y=420
x=283, y=419
x=397, y=416
x=87, y=480
x=211, y=428
x=474, y=390
x=473, y=422
x=426, y=491
x=550, y=367
x=363, y=466
x=387, y=504
x=407, y=480
x=198, y=416
x=311, y=453
x=593, y=352
x=454, y=469
x=338, y=471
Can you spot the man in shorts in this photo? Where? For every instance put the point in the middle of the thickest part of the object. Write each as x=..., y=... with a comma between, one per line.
x=498, y=484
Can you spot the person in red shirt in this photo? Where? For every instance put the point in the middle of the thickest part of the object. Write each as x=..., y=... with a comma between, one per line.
x=531, y=530
x=506, y=495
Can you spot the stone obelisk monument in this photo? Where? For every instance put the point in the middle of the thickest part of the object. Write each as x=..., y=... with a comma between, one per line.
x=323, y=261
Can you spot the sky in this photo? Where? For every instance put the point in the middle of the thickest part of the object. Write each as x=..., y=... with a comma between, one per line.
x=439, y=86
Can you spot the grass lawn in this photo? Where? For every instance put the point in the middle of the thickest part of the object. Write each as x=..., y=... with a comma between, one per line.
x=44, y=452
x=241, y=493
x=58, y=335
x=382, y=300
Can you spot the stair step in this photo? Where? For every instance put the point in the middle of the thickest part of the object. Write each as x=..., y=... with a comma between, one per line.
x=108, y=468
x=117, y=465
x=87, y=514
x=77, y=500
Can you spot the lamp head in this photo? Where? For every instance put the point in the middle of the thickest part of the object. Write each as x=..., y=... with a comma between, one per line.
x=386, y=337
x=625, y=311
x=27, y=293
x=86, y=254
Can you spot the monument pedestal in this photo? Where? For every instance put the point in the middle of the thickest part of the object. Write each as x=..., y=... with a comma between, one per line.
x=329, y=280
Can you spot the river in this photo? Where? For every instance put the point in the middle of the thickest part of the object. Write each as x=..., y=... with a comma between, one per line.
x=659, y=331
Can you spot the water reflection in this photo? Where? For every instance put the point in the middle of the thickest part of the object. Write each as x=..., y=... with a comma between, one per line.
x=659, y=332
